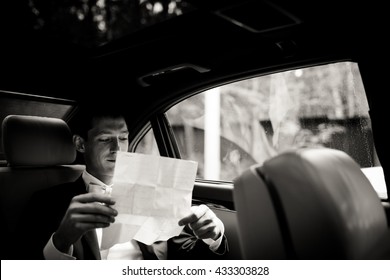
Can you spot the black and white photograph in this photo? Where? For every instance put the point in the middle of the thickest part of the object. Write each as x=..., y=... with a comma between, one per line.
x=194, y=139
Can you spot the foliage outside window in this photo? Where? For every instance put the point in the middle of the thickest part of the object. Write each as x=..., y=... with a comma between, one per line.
x=229, y=128
x=95, y=22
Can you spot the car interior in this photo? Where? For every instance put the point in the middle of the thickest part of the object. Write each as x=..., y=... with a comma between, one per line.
x=317, y=198
x=40, y=154
x=303, y=203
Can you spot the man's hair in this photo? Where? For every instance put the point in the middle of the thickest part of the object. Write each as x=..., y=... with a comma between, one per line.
x=85, y=115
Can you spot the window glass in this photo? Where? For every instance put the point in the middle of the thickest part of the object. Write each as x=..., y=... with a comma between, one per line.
x=148, y=144
x=229, y=128
x=94, y=23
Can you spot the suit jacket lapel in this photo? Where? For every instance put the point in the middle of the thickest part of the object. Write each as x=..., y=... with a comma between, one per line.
x=161, y=249
x=156, y=251
x=147, y=251
x=87, y=247
x=92, y=243
x=78, y=251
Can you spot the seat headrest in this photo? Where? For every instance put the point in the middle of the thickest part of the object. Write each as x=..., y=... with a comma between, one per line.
x=325, y=206
x=37, y=141
x=325, y=188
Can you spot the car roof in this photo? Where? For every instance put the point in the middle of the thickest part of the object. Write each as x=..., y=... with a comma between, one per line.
x=214, y=42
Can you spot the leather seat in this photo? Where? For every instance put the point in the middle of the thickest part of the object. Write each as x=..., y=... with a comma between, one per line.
x=39, y=153
x=309, y=203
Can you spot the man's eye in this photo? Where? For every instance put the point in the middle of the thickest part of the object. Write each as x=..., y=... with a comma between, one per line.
x=104, y=139
x=123, y=138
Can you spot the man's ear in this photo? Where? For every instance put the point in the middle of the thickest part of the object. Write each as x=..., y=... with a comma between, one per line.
x=78, y=141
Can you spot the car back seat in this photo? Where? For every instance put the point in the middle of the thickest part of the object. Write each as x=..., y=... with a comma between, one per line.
x=39, y=153
x=310, y=203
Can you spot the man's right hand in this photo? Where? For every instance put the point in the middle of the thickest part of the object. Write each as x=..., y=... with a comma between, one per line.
x=85, y=212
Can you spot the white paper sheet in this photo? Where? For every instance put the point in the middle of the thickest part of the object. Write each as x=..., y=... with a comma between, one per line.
x=152, y=194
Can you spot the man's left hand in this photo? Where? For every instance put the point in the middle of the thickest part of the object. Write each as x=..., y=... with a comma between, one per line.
x=203, y=222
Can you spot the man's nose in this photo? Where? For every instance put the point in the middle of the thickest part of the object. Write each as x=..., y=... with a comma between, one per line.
x=115, y=145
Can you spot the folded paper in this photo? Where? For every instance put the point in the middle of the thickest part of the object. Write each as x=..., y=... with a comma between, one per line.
x=152, y=194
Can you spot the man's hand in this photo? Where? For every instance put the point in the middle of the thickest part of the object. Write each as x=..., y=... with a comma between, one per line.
x=203, y=222
x=85, y=212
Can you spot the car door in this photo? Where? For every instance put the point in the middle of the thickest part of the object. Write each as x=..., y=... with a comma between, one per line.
x=227, y=128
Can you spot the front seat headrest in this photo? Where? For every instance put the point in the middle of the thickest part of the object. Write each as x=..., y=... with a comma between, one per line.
x=321, y=204
x=37, y=141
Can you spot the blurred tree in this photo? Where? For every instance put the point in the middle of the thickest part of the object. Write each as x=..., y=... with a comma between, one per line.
x=95, y=22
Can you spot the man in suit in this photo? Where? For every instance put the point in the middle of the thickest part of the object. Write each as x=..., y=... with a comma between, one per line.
x=63, y=220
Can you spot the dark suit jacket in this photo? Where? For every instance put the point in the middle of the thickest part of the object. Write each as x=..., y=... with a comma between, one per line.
x=46, y=209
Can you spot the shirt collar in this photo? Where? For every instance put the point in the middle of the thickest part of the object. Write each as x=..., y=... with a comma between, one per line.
x=88, y=178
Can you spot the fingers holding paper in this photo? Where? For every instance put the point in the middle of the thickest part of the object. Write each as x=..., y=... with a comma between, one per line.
x=203, y=222
x=85, y=212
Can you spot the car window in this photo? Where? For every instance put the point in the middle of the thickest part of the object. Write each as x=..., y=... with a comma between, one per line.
x=229, y=128
x=148, y=144
x=103, y=21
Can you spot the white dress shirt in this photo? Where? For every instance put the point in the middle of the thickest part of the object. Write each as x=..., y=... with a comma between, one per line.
x=124, y=251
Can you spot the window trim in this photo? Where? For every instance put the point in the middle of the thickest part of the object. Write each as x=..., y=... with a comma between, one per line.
x=165, y=138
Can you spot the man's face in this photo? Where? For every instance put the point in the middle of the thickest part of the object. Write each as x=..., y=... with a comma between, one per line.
x=105, y=138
